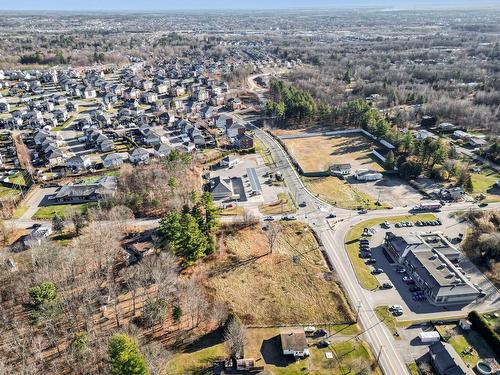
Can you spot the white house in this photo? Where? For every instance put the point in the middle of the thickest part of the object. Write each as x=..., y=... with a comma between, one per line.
x=79, y=162
x=229, y=161
x=294, y=342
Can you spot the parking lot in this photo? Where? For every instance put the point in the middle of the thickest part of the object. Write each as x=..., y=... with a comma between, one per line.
x=391, y=190
x=241, y=184
x=403, y=293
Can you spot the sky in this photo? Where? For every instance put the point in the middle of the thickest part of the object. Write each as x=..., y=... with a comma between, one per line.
x=152, y=5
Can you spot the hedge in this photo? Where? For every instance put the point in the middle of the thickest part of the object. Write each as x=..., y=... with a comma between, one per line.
x=488, y=334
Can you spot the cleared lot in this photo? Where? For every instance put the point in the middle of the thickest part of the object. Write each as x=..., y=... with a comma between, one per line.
x=291, y=285
x=318, y=153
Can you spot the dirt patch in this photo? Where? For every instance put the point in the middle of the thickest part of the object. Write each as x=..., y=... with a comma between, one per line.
x=316, y=154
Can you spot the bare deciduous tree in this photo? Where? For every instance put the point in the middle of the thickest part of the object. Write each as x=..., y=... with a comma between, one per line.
x=235, y=338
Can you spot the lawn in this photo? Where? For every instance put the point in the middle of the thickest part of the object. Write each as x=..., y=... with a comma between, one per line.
x=291, y=285
x=484, y=183
x=363, y=272
x=264, y=346
x=283, y=205
x=463, y=340
x=18, y=179
x=340, y=193
x=234, y=210
x=264, y=152
x=412, y=367
x=46, y=213
x=315, y=154
x=65, y=124
x=389, y=320
x=6, y=192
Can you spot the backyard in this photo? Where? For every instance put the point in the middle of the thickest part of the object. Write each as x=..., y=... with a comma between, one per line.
x=468, y=344
x=46, y=213
x=264, y=346
x=291, y=285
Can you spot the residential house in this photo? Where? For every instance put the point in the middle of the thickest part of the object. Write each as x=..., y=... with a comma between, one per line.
x=340, y=169
x=243, y=141
x=446, y=360
x=79, y=162
x=86, y=192
x=138, y=155
x=112, y=160
x=221, y=189
x=294, y=342
x=229, y=161
x=162, y=150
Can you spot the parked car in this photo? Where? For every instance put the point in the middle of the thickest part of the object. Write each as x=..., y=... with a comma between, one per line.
x=377, y=271
x=331, y=215
x=386, y=224
x=386, y=286
x=363, y=211
x=401, y=270
x=323, y=344
x=371, y=261
x=288, y=217
x=320, y=332
x=415, y=289
x=395, y=307
x=397, y=312
x=364, y=241
x=302, y=204
x=269, y=218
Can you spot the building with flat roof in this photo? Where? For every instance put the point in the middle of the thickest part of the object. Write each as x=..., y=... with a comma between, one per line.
x=429, y=259
x=254, y=181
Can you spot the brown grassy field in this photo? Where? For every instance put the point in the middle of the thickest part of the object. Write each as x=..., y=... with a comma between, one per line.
x=271, y=289
x=318, y=153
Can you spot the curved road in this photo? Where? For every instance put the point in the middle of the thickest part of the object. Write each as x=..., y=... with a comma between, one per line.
x=374, y=331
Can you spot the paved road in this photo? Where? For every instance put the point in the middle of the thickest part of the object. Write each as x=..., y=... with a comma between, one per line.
x=375, y=332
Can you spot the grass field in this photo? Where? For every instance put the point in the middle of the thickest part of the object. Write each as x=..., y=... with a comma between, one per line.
x=389, y=320
x=233, y=211
x=19, y=211
x=363, y=272
x=265, y=347
x=264, y=288
x=484, y=183
x=340, y=193
x=284, y=205
x=319, y=153
x=46, y=213
x=412, y=367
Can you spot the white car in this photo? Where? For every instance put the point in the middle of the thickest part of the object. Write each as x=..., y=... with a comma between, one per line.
x=395, y=307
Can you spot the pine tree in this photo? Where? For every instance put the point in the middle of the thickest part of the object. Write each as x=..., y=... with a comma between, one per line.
x=170, y=229
x=125, y=357
x=57, y=223
x=389, y=161
x=469, y=186
x=192, y=240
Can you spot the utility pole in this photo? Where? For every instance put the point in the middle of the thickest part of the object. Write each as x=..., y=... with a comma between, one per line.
x=357, y=311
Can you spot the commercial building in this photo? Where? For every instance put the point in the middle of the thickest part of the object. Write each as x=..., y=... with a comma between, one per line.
x=429, y=259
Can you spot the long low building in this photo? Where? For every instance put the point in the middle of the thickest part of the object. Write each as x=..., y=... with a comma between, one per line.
x=429, y=259
x=86, y=192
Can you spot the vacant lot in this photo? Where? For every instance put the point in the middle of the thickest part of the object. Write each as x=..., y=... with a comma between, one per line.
x=292, y=285
x=265, y=347
x=319, y=153
x=363, y=272
x=340, y=193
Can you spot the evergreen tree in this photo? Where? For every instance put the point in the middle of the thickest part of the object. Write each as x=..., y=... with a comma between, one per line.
x=125, y=357
x=170, y=229
x=389, y=161
x=212, y=215
x=192, y=241
x=469, y=186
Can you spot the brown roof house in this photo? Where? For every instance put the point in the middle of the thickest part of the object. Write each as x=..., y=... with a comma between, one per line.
x=294, y=342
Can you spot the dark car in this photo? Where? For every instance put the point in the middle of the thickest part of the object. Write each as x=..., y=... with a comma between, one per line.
x=320, y=332
x=363, y=211
x=377, y=271
x=415, y=289
x=397, y=313
x=303, y=204
x=323, y=344
x=386, y=286
x=268, y=218
x=483, y=204
x=366, y=255
x=371, y=261
x=364, y=241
